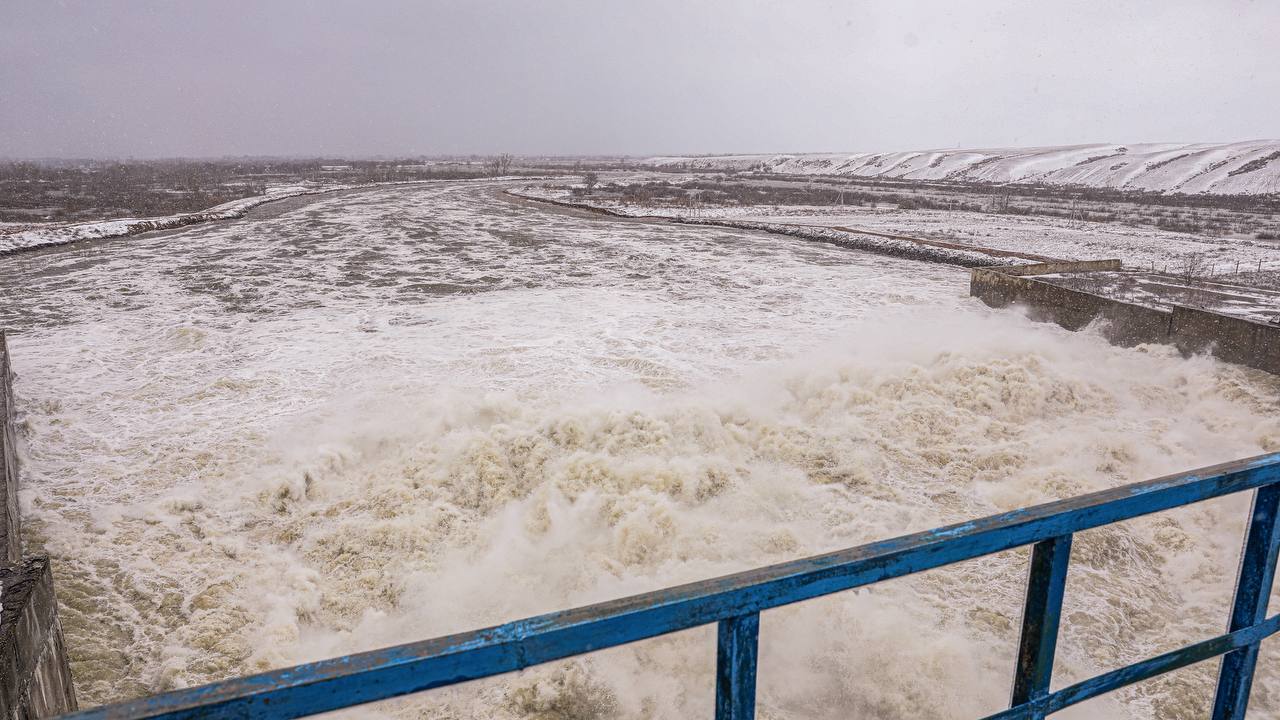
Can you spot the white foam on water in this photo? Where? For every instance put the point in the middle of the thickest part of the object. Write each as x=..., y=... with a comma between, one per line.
x=402, y=414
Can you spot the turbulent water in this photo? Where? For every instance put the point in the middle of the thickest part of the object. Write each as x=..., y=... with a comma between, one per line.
x=383, y=416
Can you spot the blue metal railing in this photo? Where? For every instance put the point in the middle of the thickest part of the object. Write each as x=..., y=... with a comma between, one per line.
x=736, y=601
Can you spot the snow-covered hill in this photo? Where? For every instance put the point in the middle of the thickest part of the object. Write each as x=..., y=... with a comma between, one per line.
x=1243, y=168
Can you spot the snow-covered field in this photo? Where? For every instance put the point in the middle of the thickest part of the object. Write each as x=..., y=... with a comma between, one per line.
x=1029, y=234
x=1244, y=168
x=749, y=218
x=1163, y=291
x=1058, y=237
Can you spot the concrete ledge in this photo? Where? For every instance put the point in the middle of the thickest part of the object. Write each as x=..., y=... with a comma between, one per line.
x=10, y=529
x=35, y=681
x=1191, y=330
x=1047, y=268
x=1232, y=339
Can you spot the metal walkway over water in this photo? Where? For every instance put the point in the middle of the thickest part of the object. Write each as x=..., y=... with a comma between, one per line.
x=736, y=601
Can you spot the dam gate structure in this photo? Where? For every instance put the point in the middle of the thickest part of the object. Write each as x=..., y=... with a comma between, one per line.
x=736, y=602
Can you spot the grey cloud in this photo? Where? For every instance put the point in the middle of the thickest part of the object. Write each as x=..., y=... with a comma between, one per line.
x=149, y=79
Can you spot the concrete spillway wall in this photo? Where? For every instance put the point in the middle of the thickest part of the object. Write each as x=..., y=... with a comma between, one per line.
x=10, y=538
x=35, y=679
x=1191, y=330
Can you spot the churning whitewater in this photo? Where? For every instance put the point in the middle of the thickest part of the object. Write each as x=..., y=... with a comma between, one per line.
x=352, y=421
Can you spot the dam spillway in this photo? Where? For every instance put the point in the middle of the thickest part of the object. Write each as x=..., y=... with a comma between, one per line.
x=383, y=405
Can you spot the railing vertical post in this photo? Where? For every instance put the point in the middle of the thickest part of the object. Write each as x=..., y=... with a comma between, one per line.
x=736, y=668
x=1040, y=618
x=1253, y=590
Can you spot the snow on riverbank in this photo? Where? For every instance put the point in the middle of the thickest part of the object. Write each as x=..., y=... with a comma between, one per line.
x=750, y=218
x=31, y=238
x=1030, y=236
x=908, y=249
x=1145, y=247
x=62, y=234
x=1240, y=168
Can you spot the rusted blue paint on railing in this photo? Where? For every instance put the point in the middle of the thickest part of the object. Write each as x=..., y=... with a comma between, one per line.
x=1042, y=611
x=1253, y=590
x=736, y=653
x=391, y=672
x=1145, y=670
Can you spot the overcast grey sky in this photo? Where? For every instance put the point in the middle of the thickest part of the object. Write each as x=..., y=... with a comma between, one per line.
x=146, y=79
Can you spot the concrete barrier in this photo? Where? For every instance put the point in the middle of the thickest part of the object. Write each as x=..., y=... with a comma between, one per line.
x=10, y=529
x=35, y=679
x=1047, y=268
x=1229, y=338
x=1233, y=339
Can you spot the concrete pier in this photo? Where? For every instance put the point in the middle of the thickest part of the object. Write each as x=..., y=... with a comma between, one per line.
x=35, y=679
x=1230, y=338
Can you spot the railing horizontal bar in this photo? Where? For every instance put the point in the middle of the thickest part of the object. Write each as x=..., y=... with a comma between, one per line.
x=1145, y=670
x=390, y=672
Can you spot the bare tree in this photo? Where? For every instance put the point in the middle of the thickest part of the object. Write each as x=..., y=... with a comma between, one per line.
x=1191, y=266
x=590, y=179
x=499, y=164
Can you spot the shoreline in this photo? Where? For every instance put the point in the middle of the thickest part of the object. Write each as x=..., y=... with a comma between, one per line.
x=236, y=209
x=894, y=245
